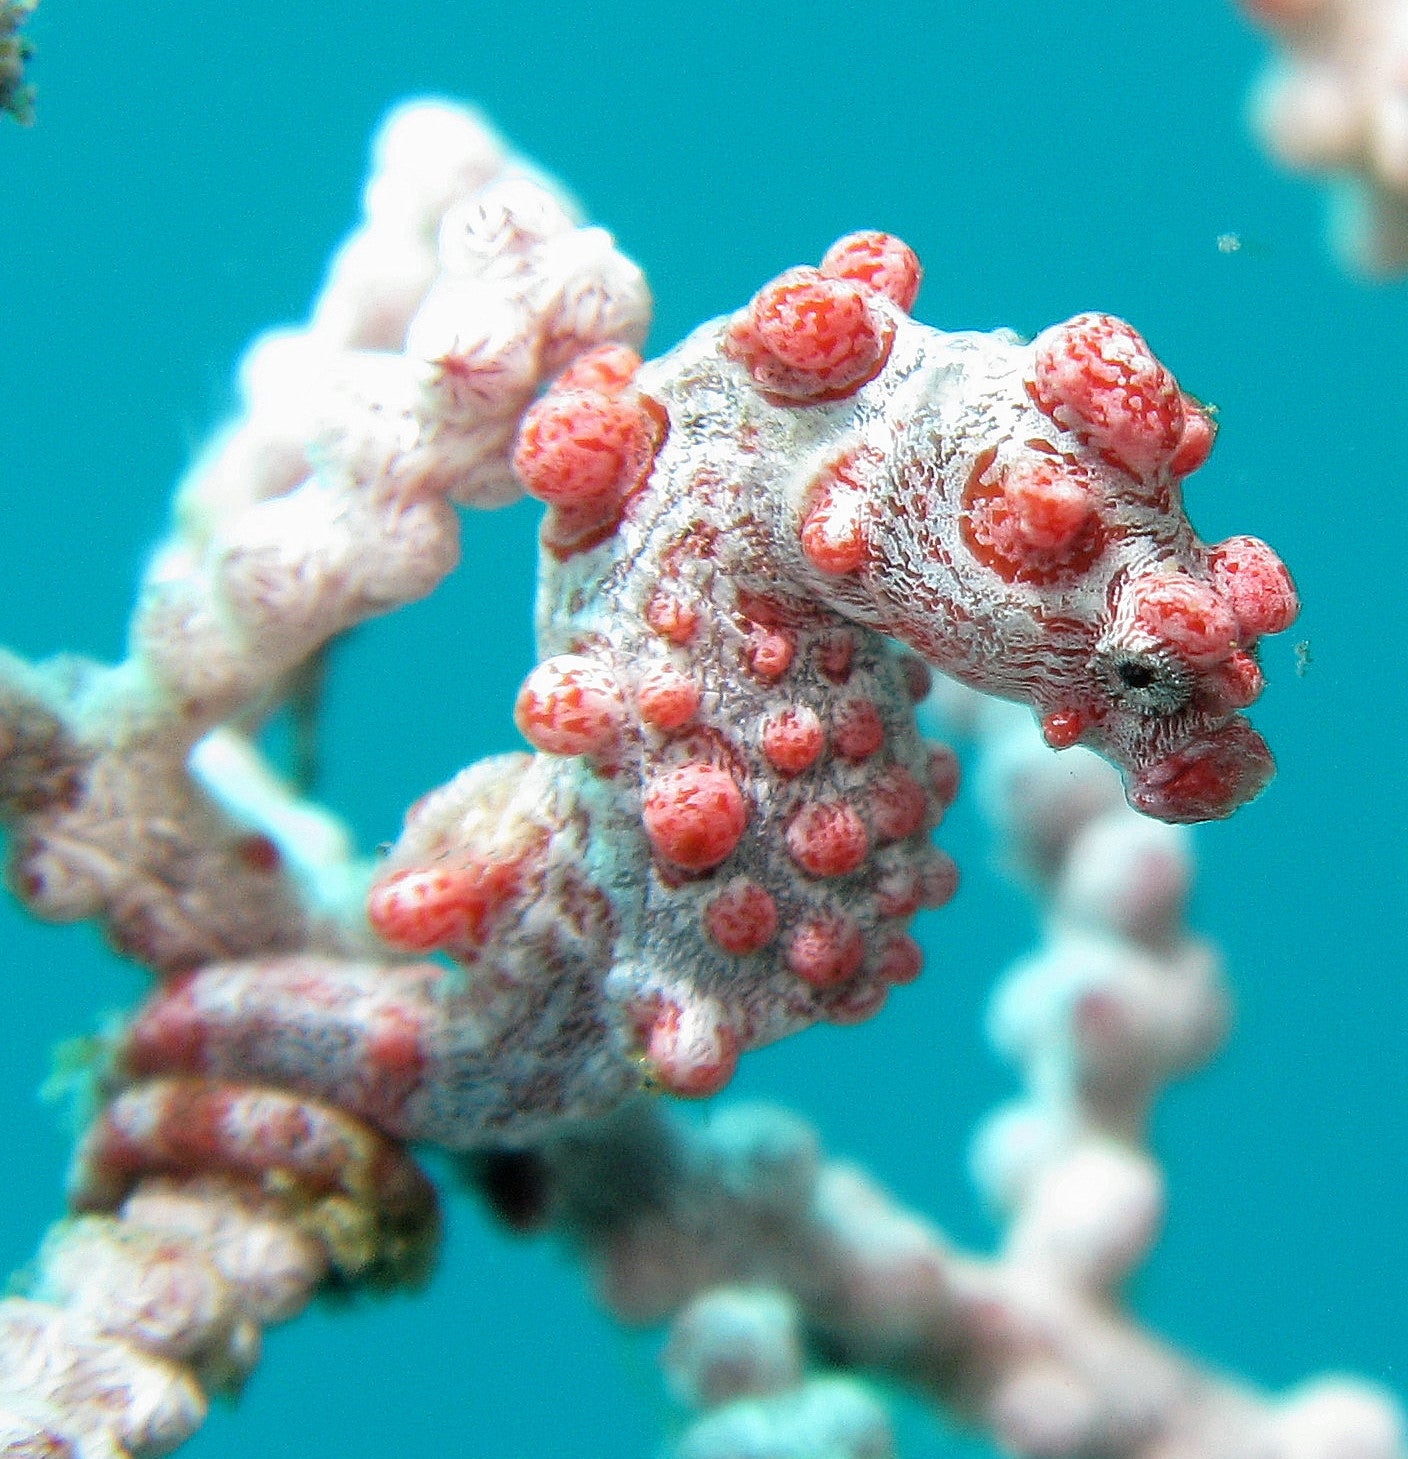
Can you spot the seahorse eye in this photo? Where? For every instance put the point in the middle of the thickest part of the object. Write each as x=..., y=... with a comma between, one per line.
x=1148, y=681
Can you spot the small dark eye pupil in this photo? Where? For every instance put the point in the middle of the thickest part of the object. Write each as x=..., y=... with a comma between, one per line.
x=1134, y=675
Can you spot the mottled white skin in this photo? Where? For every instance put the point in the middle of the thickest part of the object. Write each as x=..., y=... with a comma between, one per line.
x=741, y=1233
x=1335, y=100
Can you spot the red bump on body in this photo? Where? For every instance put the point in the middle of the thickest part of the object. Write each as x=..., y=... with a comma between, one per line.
x=397, y=1061
x=901, y=959
x=825, y=950
x=570, y=705
x=833, y=533
x=793, y=739
x=423, y=908
x=809, y=338
x=897, y=804
x=836, y=654
x=944, y=773
x=1030, y=520
x=938, y=879
x=900, y=892
x=689, y=1049
x=577, y=447
x=855, y=1003
x=917, y=676
x=1195, y=444
x=1239, y=680
x=666, y=698
x=1096, y=376
x=828, y=839
x=259, y=852
x=394, y=1042
x=1256, y=583
x=608, y=369
x=742, y=918
x=857, y=731
x=878, y=260
x=171, y=1031
x=667, y=614
x=694, y=815
x=770, y=651
x=1063, y=728
x=1190, y=616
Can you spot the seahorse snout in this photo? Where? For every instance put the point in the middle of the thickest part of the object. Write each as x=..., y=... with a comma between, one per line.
x=1205, y=779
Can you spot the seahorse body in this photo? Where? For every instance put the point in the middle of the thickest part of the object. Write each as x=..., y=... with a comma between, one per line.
x=724, y=833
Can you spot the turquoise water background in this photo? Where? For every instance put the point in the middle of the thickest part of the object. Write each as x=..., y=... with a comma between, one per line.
x=192, y=166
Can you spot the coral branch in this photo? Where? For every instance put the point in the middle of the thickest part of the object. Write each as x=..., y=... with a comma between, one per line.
x=1336, y=101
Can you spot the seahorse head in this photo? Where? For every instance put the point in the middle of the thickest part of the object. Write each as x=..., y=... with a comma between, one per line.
x=1051, y=510
x=1145, y=638
x=1014, y=513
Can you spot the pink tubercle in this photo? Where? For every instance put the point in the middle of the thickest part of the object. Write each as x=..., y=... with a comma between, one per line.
x=833, y=533
x=944, y=773
x=1190, y=616
x=1031, y=520
x=855, y=1002
x=1239, y=681
x=880, y=261
x=825, y=950
x=1256, y=583
x=897, y=804
x=1095, y=375
x=901, y=959
x=419, y=909
x=171, y=1032
x=742, y=918
x=857, y=730
x=608, y=369
x=808, y=338
x=918, y=678
x=666, y=698
x=900, y=892
x=570, y=705
x=667, y=614
x=1196, y=443
x=769, y=652
x=793, y=739
x=828, y=838
x=688, y=1048
x=938, y=879
x=1062, y=728
x=694, y=815
x=580, y=446
x=835, y=655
